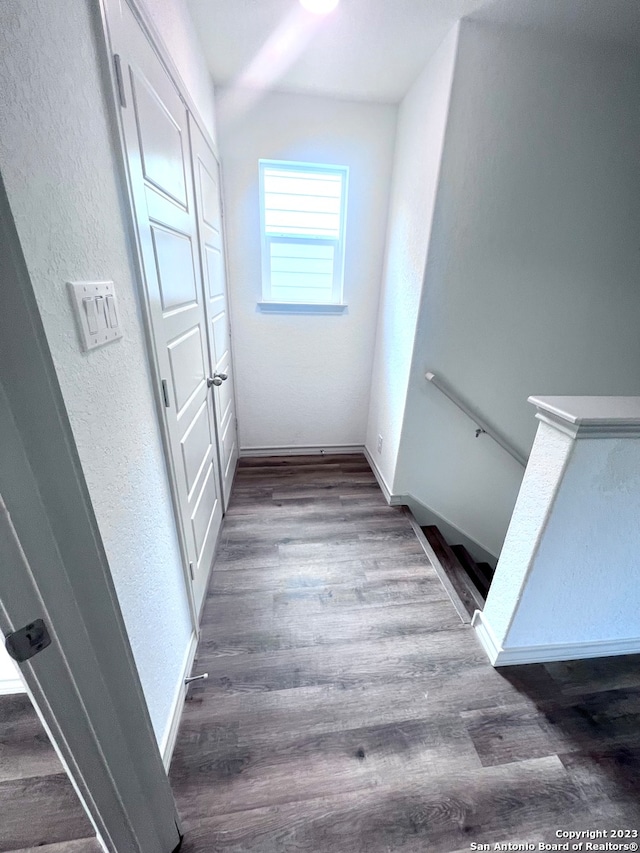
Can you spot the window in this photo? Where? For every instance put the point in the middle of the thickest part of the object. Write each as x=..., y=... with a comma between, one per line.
x=302, y=217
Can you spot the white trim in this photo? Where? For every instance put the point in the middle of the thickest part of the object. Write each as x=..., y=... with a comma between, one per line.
x=303, y=307
x=586, y=430
x=562, y=426
x=431, y=555
x=486, y=637
x=11, y=687
x=499, y=656
x=309, y=450
x=391, y=499
x=171, y=732
x=590, y=417
x=11, y=681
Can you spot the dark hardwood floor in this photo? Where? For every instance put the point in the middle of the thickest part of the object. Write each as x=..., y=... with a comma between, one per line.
x=39, y=808
x=348, y=709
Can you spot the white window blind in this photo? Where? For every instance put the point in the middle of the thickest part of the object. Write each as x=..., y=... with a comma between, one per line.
x=303, y=223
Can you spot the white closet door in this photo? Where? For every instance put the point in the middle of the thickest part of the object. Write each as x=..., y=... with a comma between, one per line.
x=157, y=146
x=206, y=173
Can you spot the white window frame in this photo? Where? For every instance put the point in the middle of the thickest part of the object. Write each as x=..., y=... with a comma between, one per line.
x=335, y=304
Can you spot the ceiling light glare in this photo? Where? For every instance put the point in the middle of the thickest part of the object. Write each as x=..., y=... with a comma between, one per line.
x=319, y=7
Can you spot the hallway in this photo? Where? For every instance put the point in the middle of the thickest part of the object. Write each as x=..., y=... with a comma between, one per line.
x=348, y=709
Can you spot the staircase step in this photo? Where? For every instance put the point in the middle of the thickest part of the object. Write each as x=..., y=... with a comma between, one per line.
x=466, y=589
x=480, y=579
x=487, y=571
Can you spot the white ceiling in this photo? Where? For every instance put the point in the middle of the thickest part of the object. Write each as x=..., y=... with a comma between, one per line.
x=373, y=49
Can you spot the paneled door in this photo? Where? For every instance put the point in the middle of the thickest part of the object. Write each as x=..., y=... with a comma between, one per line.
x=156, y=135
x=206, y=172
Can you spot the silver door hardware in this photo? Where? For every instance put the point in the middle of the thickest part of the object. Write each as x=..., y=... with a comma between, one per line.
x=202, y=677
x=216, y=379
x=165, y=393
x=193, y=577
x=119, y=81
x=28, y=641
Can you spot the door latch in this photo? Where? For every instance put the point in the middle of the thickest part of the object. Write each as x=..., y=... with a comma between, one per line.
x=28, y=641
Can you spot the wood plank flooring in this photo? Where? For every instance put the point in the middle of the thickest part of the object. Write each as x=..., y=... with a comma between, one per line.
x=348, y=710
x=39, y=808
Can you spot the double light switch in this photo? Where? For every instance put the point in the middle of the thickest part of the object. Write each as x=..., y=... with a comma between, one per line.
x=96, y=310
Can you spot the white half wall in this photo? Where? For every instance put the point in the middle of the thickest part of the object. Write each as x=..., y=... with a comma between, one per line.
x=303, y=379
x=57, y=157
x=566, y=584
x=583, y=583
x=421, y=125
x=532, y=274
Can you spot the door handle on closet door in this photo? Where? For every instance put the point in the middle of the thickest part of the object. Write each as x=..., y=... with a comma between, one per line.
x=216, y=379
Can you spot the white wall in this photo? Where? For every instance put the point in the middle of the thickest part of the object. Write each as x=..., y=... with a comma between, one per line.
x=582, y=585
x=549, y=456
x=533, y=268
x=304, y=379
x=58, y=163
x=421, y=125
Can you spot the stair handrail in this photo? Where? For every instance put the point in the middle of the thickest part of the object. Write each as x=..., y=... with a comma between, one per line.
x=483, y=426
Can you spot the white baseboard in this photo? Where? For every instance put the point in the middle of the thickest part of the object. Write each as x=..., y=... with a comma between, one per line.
x=499, y=656
x=391, y=499
x=169, y=740
x=486, y=637
x=309, y=450
x=11, y=686
x=10, y=678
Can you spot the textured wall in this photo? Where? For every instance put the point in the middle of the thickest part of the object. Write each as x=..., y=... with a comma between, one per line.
x=57, y=160
x=421, y=124
x=532, y=274
x=568, y=569
x=549, y=456
x=304, y=379
x=583, y=582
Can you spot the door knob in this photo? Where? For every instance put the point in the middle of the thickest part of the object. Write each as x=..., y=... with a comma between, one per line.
x=216, y=379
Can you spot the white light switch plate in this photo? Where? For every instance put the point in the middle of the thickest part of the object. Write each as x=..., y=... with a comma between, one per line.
x=96, y=308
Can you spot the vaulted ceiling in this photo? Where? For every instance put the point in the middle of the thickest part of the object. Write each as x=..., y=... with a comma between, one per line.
x=374, y=49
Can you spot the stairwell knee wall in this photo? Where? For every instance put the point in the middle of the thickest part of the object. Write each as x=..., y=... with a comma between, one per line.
x=532, y=264
x=566, y=583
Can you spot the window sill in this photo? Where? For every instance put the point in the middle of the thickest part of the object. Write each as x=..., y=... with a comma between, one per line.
x=302, y=307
